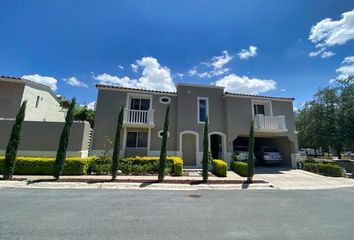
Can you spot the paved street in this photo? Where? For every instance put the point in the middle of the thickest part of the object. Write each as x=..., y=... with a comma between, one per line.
x=151, y=214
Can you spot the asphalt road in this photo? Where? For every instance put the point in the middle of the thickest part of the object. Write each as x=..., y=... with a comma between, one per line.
x=148, y=214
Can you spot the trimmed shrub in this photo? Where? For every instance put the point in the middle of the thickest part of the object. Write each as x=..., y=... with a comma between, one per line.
x=219, y=167
x=241, y=168
x=162, y=160
x=138, y=165
x=101, y=165
x=116, y=149
x=45, y=166
x=327, y=169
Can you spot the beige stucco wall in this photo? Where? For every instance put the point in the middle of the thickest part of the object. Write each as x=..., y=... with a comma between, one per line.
x=42, y=138
x=10, y=98
x=48, y=108
x=187, y=108
x=107, y=110
x=229, y=116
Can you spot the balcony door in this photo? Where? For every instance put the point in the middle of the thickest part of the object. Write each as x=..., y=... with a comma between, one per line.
x=142, y=104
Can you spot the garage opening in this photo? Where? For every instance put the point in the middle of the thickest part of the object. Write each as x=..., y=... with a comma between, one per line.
x=268, y=150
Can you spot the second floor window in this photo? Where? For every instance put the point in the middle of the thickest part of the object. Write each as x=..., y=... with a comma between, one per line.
x=137, y=139
x=202, y=109
x=37, y=101
x=140, y=104
x=258, y=109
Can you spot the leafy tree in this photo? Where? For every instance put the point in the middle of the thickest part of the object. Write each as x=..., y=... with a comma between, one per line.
x=14, y=142
x=81, y=113
x=163, y=160
x=205, y=161
x=116, y=150
x=327, y=120
x=85, y=114
x=250, y=163
x=64, y=141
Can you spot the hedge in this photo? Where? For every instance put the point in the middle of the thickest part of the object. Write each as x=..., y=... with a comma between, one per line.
x=324, y=169
x=241, y=168
x=137, y=165
x=45, y=166
x=219, y=168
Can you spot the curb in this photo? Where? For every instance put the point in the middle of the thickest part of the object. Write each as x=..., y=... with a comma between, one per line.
x=136, y=186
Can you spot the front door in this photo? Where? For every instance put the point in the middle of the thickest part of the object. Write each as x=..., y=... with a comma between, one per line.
x=189, y=149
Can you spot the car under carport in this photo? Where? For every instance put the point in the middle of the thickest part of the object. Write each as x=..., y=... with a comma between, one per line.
x=281, y=143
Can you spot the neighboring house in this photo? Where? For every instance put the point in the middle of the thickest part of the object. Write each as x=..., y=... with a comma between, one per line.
x=229, y=114
x=42, y=104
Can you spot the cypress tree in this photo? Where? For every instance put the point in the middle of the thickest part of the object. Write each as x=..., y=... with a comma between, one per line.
x=205, y=161
x=64, y=141
x=250, y=161
x=162, y=162
x=116, y=149
x=14, y=142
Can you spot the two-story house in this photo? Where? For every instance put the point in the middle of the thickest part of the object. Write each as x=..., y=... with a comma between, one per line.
x=229, y=115
x=42, y=103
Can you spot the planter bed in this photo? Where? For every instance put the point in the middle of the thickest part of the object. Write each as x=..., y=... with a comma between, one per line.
x=147, y=181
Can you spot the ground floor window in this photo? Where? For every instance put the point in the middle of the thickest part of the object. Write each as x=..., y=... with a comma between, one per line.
x=137, y=139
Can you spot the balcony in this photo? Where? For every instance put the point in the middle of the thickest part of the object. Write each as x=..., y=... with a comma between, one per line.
x=138, y=118
x=269, y=123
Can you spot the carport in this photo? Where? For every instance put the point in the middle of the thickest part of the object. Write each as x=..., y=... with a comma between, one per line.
x=281, y=143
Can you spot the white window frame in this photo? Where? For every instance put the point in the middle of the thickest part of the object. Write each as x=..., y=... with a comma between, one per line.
x=169, y=100
x=268, y=109
x=207, y=109
x=160, y=132
x=136, y=141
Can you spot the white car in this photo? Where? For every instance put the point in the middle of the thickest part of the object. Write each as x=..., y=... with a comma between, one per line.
x=242, y=152
x=268, y=154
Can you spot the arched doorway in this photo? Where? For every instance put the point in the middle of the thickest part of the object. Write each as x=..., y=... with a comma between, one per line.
x=217, y=145
x=189, y=148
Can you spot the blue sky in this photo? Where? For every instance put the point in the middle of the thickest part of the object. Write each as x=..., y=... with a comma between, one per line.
x=261, y=47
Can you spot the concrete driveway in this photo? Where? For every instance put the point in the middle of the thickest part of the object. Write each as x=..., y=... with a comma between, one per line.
x=287, y=179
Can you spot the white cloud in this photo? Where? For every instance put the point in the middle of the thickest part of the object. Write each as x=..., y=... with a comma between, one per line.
x=134, y=67
x=347, y=68
x=248, y=53
x=91, y=105
x=154, y=77
x=283, y=90
x=327, y=54
x=45, y=80
x=120, y=67
x=246, y=85
x=73, y=81
x=328, y=32
x=322, y=52
x=216, y=64
x=180, y=75
x=348, y=60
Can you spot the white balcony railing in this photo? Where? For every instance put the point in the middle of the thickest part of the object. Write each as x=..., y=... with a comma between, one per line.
x=139, y=117
x=269, y=123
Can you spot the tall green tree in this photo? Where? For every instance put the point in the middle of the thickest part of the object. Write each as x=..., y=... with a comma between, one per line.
x=14, y=142
x=116, y=149
x=327, y=120
x=205, y=161
x=163, y=158
x=84, y=114
x=250, y=163
x=64, y=141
